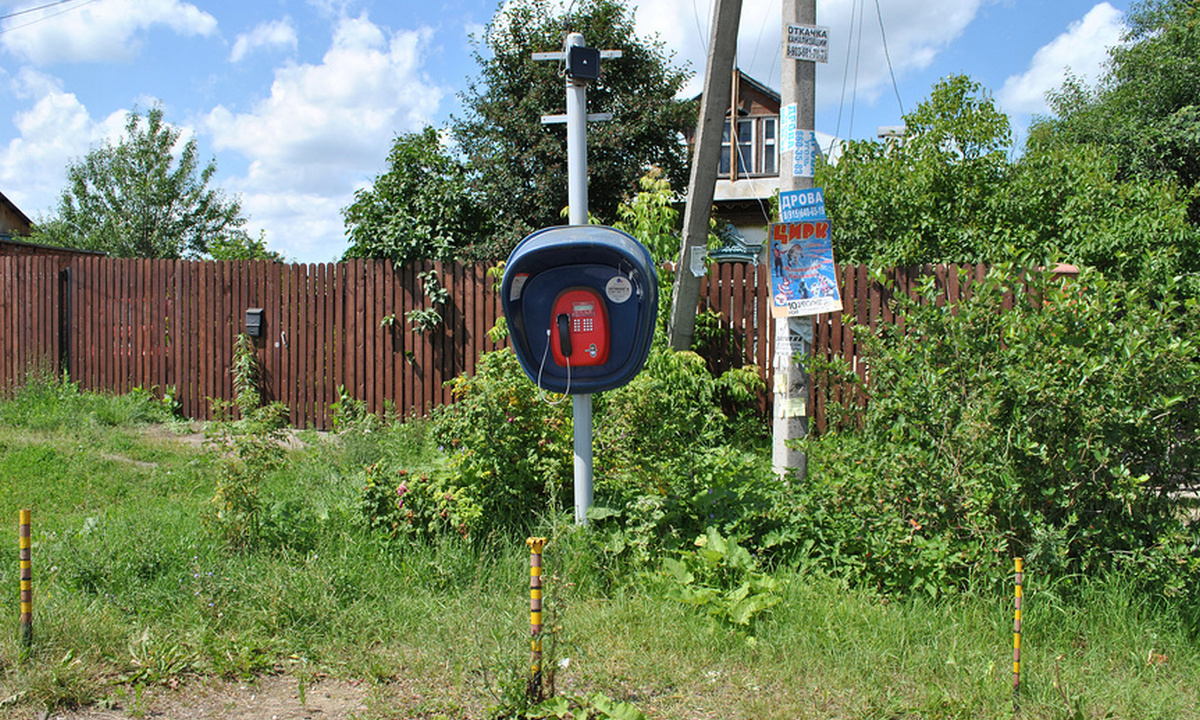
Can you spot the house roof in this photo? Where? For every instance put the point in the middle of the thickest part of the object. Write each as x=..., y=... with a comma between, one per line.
x=755, y=85
x=15, y=210
x=8, y=246
x=773, y=94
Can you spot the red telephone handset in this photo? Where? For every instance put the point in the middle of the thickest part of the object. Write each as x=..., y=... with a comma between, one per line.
x=579, y=331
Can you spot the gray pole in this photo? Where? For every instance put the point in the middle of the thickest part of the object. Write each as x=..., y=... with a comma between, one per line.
x=793, y=335
x=577, y=214
x=714, y=103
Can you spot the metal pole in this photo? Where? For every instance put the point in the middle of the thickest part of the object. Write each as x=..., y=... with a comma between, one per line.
x=582, y=405
x=24, y=543
x=535, y=615
x=577, y=191
x=791, y=382
x=1017, y=634
x=577, y=214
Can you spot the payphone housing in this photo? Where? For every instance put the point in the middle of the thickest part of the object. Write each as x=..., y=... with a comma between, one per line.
x=581, y=302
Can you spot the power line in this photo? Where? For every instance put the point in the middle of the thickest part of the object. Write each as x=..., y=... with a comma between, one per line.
x=34, y=9
x=701, y=34
x=44, y=17
x=857, y=62
x=845, y=70
x=888, y=55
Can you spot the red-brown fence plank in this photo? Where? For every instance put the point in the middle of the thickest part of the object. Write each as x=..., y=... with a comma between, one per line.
x=337, y=321
x=16, y=319
x=8, y=381
x=472, y=317
x=292, y=346
x=12, y=298
x=409, y=369
x=163, y=324
x=431, y=342
x=331, y=339
x=312, y=345
x=375, y=386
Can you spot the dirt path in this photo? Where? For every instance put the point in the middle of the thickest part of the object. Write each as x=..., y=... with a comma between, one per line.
x=268, y=698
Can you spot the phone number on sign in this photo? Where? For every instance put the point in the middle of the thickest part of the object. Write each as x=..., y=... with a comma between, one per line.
x=812, y=306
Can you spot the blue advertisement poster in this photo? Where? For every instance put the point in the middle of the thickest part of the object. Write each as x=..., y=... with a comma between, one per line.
x=803, y=276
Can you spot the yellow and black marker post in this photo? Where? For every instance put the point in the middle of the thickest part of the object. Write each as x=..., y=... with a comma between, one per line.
x=1017, y=634
x=26, y=556
x=535, y=615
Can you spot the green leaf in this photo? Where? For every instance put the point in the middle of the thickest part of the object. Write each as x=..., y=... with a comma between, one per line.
x=678, y=571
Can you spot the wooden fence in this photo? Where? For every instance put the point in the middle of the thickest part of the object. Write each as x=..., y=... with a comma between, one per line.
x=169, y=326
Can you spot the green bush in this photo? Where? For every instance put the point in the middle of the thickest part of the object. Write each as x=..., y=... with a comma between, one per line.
x=1059, y=431
x=415, y=505
x=663, y=464
x=509, y=451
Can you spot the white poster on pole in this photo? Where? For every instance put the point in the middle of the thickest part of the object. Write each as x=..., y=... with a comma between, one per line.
x=787, y=121
x=807, y=42
x=807, y=152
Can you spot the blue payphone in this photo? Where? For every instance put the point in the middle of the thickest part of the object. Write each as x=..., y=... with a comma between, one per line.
x=581, y=302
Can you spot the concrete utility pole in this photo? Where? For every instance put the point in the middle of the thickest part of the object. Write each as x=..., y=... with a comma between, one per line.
x=793, y=335
x=714, y=103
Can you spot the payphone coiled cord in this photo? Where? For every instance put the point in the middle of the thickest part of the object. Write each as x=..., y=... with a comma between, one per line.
x=542, y=393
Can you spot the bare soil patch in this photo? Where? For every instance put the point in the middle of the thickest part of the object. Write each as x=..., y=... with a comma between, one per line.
x=268, y=698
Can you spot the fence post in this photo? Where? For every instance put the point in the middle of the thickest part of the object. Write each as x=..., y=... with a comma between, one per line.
x=535, y=615
x=26, y=557
x=1017, y=634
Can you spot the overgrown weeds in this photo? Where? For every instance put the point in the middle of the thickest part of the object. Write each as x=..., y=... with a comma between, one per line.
x=703, y=586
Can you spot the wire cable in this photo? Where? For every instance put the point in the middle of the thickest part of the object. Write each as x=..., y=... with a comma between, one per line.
x=541, y=392
x=700, y=33
x=857, y=63
x=888, y=56
x=26, y=11
x=845, y=72
x=35, y=21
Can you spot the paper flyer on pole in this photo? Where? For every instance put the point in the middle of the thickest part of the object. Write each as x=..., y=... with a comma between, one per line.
x=806, y=154
x=803, y=275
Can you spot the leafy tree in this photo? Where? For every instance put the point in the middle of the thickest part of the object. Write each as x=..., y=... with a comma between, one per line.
x=240, y=246
x=1069, y=202
x=1146, y=110
x=145, y=197
x=518, y=166
x=949, y=192
x=419, y=208
x=928, y=197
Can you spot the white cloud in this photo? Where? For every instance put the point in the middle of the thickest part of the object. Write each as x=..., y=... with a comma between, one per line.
x=917, y=30
x=267, y=35
x=305, y=227
x=106, y=30
x=1082, y=51
x=56, y=129
x=325, y=128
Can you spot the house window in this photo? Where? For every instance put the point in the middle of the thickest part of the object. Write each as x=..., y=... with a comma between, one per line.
x=769, y=154
x=755, y=147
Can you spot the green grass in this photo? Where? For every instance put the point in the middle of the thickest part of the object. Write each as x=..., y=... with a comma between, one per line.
x=133, y=589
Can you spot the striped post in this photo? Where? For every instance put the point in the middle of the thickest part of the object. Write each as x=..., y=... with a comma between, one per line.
x=535, y=615
x=26, y=555
x=1017, y=634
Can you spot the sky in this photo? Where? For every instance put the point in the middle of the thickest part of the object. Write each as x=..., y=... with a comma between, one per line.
x=298, y=101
